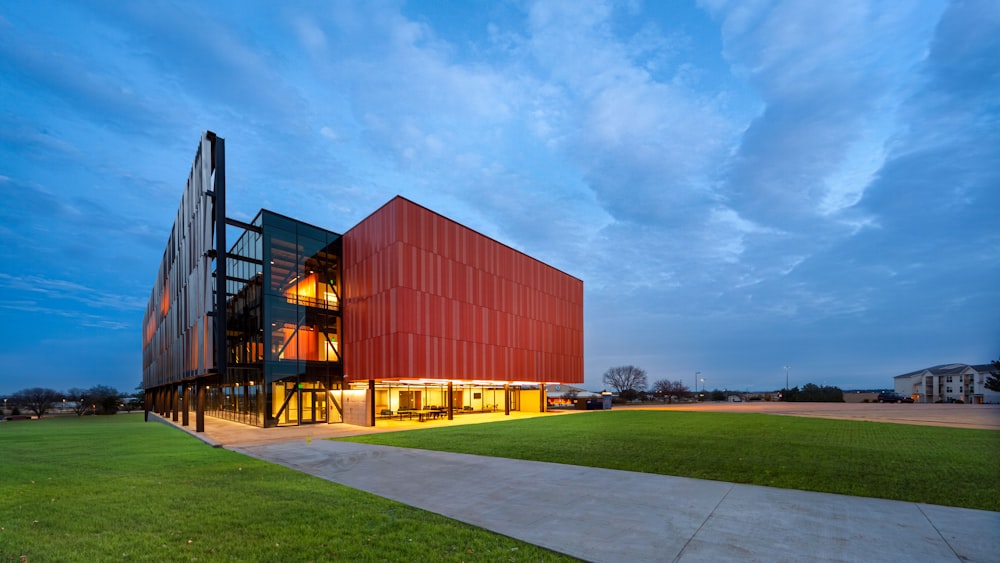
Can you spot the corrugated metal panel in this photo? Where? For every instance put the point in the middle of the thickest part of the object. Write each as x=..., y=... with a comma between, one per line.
x=426, y=297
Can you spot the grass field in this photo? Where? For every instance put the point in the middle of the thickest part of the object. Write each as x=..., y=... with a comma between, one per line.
x=946, y=466
x=115, y=488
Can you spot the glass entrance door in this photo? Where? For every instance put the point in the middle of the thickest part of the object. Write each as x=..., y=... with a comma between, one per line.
x=296, y=404
x=314, y=406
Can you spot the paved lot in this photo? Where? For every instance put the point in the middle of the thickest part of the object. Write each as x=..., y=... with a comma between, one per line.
x=954, y=415
x=607, y=515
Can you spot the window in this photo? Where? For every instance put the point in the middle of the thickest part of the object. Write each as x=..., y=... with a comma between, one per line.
x=948, y=379
x=948, y=389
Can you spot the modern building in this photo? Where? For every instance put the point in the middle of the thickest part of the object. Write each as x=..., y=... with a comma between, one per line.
x=948, y=383
x=294, y=324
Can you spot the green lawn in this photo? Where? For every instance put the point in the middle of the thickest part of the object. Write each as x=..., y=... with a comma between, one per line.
x=946, y=466
x=115, y=488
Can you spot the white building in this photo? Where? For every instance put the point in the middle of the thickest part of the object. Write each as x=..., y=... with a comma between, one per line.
x=948, y=383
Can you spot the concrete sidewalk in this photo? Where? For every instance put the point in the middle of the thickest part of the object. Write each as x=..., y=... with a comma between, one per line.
x=607, y=515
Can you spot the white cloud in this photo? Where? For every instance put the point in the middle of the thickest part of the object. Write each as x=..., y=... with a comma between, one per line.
x=310, y=35
x=646, y=147
x=831, y=76
x=329, y=133
x=59, y=289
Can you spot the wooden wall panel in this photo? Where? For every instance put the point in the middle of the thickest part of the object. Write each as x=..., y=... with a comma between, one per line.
x=426, y=297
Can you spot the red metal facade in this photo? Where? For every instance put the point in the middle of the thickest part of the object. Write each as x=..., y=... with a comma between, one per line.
x=426, y=297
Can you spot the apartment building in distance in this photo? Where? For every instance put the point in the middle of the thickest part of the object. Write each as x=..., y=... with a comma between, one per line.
x=948, y=383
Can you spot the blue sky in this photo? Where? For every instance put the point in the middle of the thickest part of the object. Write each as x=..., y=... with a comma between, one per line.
x=740, y=185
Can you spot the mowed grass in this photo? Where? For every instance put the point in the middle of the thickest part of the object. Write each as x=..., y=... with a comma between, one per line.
x=116, y=488
x=934, y=465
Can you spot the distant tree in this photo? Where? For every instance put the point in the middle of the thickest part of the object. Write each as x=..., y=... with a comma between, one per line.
x=80, y=399
x=37, y=399
x=788, y=395
x=993, y=380
x=627, y=380
x=670, y=389
x=139, y=396
x=105, y=399
x=812, y=393
x=718, y=395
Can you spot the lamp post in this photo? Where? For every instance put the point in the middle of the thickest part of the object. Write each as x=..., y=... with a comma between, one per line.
x=786, y=378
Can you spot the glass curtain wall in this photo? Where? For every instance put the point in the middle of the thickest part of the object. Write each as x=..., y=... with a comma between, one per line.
x=466, y=398
x=237, y=395
x=283, y=320
x=302, y=322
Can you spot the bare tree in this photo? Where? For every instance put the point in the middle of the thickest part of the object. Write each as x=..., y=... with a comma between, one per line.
x=104, y=399
x=81, y=400
x=627, y=380
x=37, y=399
x=670, y=389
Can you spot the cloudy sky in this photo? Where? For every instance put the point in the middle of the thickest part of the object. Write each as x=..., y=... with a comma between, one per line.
x=741, y=185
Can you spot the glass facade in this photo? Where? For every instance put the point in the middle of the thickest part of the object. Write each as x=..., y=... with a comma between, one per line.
x=283, y=320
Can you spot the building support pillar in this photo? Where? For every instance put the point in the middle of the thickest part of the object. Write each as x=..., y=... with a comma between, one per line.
x=185, y=401
x=370, y=399
x=199, y=405
x=146, y=403
x=174, y=399
x=329, y=404
x=543, y=401
x=506, y=399
x=451, y=403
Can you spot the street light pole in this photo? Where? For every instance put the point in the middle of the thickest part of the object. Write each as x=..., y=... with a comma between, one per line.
x=786, y=378
x=696, y=374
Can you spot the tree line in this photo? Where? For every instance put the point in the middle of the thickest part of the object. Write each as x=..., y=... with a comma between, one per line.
x=631, y=384
x=99, y=399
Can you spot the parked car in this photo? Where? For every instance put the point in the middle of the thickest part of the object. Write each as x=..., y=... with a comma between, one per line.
x=890, y=397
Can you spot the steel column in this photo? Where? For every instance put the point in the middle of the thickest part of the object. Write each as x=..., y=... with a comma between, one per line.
x=371, y=402
x=451, y=404
x=199, y=414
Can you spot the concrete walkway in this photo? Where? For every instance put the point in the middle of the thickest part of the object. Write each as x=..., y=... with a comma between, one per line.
x=607, y=515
